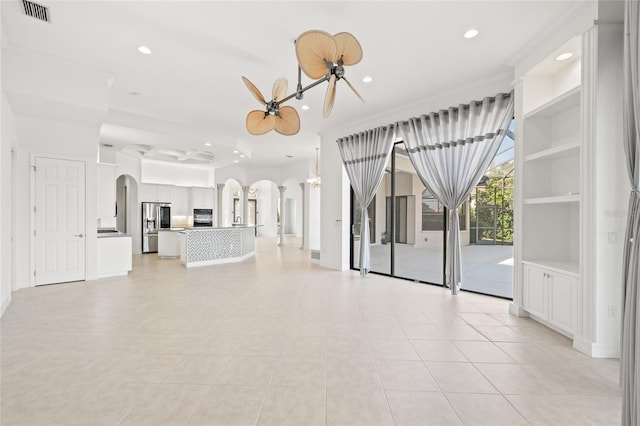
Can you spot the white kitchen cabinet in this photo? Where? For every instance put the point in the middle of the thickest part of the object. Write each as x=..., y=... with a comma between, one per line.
x=106, y=195
x=179, y=201
x=158, y=193
x=550, y=296
x=201, y=198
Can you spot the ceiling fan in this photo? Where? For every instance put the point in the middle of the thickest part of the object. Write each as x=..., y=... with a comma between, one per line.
x=322, y=57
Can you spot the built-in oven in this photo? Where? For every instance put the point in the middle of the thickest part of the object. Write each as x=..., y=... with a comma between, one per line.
x=202, y=217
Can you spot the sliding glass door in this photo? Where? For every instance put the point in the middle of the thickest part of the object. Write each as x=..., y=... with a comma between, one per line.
x=401, y=246
x=408, y=226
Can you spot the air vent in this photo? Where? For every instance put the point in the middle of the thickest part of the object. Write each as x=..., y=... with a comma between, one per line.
x=36, y=10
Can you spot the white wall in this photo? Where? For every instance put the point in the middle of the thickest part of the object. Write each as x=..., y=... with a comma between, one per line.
x=163, y=172
x=8, y=135
x=294, y=192
x=313, y=208
x=56, y=139
x=335, y=183
x=267, y=203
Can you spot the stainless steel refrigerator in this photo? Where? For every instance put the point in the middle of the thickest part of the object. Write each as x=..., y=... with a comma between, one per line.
x=154, y=216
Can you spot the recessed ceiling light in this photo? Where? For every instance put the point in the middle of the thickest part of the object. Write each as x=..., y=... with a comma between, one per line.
x=207, y=143
x=564, y=56
x=235, y=151
x=236, y=161
x=241, y=155
x=144, y=49
x=289, y=156
x=471, y=33
x=133, y=93
x=367, y=79
x=305, y=107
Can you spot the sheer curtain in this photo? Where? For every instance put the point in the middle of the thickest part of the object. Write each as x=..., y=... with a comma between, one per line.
x=450, y=151
x=630, y=355
x=364, y=156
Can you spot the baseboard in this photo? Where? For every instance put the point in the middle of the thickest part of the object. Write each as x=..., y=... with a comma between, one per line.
x=5, y=305
x=517, y=310
x=596, y=350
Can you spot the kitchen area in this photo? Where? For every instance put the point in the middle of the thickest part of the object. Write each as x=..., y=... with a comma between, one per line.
x=162, y=220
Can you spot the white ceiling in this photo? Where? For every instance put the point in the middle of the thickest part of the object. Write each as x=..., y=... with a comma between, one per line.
x=190, y=91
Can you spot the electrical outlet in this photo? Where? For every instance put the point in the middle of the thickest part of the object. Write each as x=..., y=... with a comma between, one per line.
x=612, y=237
x=611, y=311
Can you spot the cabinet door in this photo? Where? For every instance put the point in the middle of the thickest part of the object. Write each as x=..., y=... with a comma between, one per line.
x=179, y=201
x=562, y=301
x=149, y=192
x=164, y=194
x=535, y=291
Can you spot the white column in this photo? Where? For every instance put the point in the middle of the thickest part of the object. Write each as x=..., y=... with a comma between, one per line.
x=219, y=188
x=302, y=187
x=281, y=231
x=245, y=204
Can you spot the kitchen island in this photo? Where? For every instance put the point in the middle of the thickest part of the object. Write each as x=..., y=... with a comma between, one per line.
x=212, y=246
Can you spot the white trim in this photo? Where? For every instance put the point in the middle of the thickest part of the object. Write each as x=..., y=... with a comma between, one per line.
x=596, y=350
x=220, y=261
x=517, y=310
x=5, y=305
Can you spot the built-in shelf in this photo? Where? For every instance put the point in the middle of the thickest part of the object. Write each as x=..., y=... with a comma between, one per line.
x=572, y=198
x=555, y=152
x=557, y=105
x=570, y=268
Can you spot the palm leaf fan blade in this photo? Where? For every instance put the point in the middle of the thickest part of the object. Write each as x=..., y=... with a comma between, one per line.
x=348, y=48
x=330, y=96
x=312, y=49
x=254, y=90
x=353, y=89
x=288, y=121
x=279, y=89
x=258, y=123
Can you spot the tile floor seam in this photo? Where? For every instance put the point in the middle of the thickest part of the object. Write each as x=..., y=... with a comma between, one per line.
x=268, y=388
x=151, y=386
x=195, y=410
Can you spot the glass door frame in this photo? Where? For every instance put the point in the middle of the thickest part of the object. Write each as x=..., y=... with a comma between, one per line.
x=391, y=236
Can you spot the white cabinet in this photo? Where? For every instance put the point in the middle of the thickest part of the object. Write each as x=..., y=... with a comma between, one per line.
x=550, y=296
x=158, y=193
x=201, y=198
x=179, y=201
x=549, y=169
x=106, y=196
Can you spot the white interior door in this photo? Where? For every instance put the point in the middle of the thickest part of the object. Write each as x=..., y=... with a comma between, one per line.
x=60, y=221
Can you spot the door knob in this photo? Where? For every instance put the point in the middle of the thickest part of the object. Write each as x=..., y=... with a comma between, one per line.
x=79, y=235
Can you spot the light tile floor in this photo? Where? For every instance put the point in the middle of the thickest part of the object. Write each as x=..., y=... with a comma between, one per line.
x=277, y=340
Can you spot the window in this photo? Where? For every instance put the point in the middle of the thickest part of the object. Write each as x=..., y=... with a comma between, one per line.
x=433, y=213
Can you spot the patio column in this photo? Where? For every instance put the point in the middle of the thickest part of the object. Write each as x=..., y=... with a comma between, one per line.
x=245, y=204
x=281, y=230
x=302, y=187
x=219, y=188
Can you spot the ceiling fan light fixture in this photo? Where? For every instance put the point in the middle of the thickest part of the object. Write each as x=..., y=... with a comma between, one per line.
x=367, y=79
x=471, y=33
